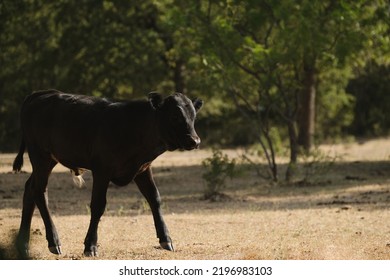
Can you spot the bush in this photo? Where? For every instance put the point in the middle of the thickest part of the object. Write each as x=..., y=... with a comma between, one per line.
x=218, y=168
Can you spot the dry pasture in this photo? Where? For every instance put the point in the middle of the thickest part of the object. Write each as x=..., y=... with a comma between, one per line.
x=343, y=215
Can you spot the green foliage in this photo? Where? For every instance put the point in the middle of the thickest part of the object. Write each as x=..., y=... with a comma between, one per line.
x=218, y=168
x=371, y=91
x=247, y=59
x=335, y=105
x=271, y=55
x=102, y=48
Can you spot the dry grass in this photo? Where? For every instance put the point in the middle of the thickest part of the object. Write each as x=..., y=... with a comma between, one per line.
x=345, y=216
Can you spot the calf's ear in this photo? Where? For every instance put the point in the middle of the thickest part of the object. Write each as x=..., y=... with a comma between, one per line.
x=155, y=99
x=198, y=103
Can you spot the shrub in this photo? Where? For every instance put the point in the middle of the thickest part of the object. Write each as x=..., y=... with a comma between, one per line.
x=218, y=168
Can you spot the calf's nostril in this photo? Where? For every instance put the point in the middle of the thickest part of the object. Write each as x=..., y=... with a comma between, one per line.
x=196, y=141
x=193, y=142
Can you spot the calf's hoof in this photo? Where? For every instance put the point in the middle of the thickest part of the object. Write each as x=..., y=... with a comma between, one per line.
x=91, y=251
x=55, y=250
x=167, y=246
x=23, y=251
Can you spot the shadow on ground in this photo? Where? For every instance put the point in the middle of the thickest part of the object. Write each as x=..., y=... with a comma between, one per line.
x=345, y=184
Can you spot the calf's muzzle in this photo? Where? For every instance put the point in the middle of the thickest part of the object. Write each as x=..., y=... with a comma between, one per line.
x=192, y=142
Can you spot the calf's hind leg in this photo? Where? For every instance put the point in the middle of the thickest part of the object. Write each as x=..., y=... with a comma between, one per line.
x=41, y=200
x=22, y=240
x=36, y=194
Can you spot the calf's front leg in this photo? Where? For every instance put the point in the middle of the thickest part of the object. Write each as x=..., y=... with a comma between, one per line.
x=149, y=190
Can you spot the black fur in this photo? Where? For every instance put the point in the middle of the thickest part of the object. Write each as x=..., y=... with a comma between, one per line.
x=116, y=140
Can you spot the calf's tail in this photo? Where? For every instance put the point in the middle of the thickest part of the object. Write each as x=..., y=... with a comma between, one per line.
x=18, y=162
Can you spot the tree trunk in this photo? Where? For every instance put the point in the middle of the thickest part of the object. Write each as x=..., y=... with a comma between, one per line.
x=307, y=108
x=292, y=134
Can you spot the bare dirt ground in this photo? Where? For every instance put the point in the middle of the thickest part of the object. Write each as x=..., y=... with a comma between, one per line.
x=344, y=214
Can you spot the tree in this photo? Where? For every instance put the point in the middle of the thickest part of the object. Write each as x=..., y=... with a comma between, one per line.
x=271, y=53
x=105, y=48
x=277, y=63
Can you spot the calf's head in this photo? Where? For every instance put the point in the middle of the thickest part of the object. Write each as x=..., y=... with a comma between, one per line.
x=176, y=116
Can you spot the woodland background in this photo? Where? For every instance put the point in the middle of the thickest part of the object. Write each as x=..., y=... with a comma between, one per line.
x=278, y=76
